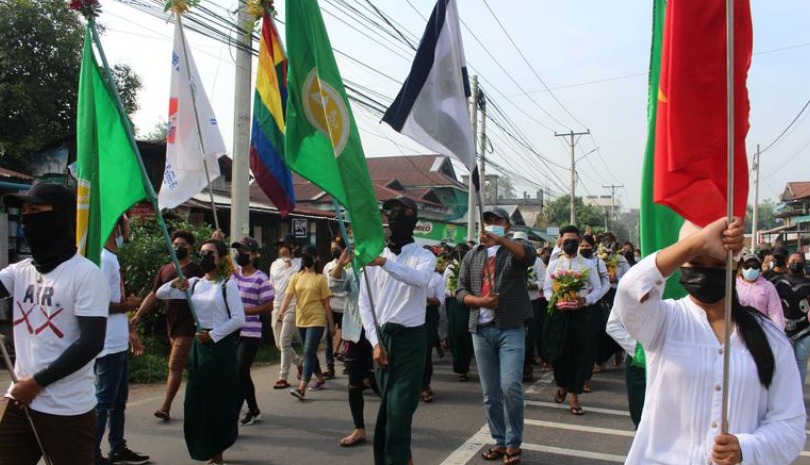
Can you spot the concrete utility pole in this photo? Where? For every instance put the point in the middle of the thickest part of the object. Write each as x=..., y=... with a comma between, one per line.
x=240, y=175
x=470, y=185
x=573, y=143
x=612, y=188
x=482, y=147
x=755, y=169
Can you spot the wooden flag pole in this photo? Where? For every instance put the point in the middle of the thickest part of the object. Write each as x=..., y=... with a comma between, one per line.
x=729, y=208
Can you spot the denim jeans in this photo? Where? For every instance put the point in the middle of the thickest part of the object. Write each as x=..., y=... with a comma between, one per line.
x=499, y=355
x=311, y=337
x=801, y=349
x=112, y=391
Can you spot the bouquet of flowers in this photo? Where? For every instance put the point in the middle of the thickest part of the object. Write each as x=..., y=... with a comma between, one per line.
x=565, y=286
x=532, y=277
x=611, y=261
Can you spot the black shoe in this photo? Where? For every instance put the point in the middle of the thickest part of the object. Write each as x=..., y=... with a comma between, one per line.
x=127, y=457
x=250, y=417
x=101, y=460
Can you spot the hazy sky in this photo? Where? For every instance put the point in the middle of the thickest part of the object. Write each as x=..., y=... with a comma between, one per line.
x=594, y=56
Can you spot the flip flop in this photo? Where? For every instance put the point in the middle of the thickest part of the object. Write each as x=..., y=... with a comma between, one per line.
x=351, y=440
x=511, y=459
x=463, y=377
x=560, y=396
x=281, y=384
x=493, y=453
x=577, y=411
x=162, y=414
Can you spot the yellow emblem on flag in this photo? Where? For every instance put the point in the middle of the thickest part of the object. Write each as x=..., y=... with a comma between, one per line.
x=326, y=110
x=82, y=214
x=661, y=97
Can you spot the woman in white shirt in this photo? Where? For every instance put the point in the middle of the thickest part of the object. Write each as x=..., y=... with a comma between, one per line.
x=210, y=410
x=683, y=340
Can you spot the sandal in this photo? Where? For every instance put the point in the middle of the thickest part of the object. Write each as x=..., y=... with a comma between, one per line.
x=463, y=377
x=427, y=396
x=352, y=440
x=281, y=384
x=511, y=459
x=560, y=396
x=577, y=411
x=493, y=453
x=586, y=387
x=162, y=414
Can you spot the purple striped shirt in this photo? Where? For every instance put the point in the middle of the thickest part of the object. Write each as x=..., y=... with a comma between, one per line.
x=254, y=290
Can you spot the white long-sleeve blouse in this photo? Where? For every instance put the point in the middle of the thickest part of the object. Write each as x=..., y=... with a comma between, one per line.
x=210, y=305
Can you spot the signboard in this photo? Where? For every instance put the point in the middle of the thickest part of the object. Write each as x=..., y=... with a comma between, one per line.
x=436, y=231
x=300, y=228
x=553, y=231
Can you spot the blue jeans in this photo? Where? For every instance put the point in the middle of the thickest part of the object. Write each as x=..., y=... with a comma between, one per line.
x=311, y=337
x=801, y=349
x=112, y=391
x=499, y=355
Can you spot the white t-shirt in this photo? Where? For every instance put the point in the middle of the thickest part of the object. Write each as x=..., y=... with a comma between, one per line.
x=280, y=275
x=45, y=325
x=117, y=339
x=338, y=300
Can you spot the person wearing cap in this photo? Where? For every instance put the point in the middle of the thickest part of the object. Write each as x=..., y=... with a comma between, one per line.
x=60, y=306
x=492, y=282
x=179, y=321
x=398, y=280
x=281, y=271
x=793, y=288
x=257, y=298
x=755, y=291
x=778, y=264
x=684, y=347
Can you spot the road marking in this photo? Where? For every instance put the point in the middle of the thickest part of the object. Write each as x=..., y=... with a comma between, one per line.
x=576, y=453
x=470, y=448
x=586, y=408
x=573, y=427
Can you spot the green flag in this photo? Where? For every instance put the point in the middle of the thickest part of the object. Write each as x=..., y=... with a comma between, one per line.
x=659, y=224
x=322, y=143
x=106, y=163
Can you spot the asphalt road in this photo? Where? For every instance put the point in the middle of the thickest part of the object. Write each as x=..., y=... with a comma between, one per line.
x=449, y=431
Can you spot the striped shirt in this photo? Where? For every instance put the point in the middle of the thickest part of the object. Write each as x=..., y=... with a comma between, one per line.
x=254, y=290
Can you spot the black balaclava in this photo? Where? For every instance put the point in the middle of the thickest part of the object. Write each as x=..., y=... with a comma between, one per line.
x=401, y=222
x=51, y=235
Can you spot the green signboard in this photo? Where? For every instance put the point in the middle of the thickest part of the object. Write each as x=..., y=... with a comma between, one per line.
x=438, y=231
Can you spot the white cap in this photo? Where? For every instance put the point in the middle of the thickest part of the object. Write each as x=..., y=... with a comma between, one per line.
x=520, y=235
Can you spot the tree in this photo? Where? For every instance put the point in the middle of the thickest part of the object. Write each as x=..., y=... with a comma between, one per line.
x=40, y=61
x=504, y=185
x=558, y=213
x=159, y=132
x=765, y=216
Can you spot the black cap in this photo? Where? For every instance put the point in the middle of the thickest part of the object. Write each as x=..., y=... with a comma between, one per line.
x=44, y=193
x=404, y=201
x=288, y=239
x=781, y=252
x=497, y=212
x=247, y=243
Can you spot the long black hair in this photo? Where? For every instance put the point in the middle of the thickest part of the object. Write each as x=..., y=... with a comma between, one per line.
x=310, y=255
x=749, y=323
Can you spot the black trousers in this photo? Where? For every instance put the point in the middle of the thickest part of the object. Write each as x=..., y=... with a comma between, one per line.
x=245, y=354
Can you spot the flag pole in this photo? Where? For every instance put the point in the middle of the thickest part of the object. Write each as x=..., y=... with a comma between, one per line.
x=144, y=176
x=729, y=208
x=356, y=272
x=179, y=16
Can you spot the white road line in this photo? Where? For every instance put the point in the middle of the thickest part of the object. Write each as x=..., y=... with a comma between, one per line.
x=573, y=427
x=470, y=448
x=576, y=453
x=584, y=407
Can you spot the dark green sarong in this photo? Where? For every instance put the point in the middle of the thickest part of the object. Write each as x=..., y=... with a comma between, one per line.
x=458, y=333
x=212, y=389
x=400, y=384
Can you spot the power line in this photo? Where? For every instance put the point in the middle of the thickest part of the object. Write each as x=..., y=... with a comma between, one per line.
x=787, y=128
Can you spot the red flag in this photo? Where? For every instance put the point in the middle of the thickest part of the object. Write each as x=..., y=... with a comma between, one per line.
x=691, y=128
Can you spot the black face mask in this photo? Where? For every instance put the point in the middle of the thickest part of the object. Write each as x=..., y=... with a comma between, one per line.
x=586, y=253
x=707, y=285
x=545, y=258
x=51, y=235
x=778, y=261
x=796, y=268
x=336, y=254
x=207, y=261
x=243, y=259
x=401, y=226
x=570, y=246
x=181, y=253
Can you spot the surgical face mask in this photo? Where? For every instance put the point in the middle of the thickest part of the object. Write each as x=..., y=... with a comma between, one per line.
x=707, y=285
x=495, y=229
x=586, y=253
x=570, y=246
x=750, y=274
x=119, y=241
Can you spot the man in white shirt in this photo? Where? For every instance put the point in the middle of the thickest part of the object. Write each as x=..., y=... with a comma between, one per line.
x=435, y=297
x=281, y=270
x=398, y=280
x=60, y=302
x=112, y=369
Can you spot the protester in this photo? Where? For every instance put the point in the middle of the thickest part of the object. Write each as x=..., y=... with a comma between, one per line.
x=433, y=310
x=635, y=375
x=257, y=299
x=616, y=265
x=398, y=280
x=755, y=291
x=568, y=332
x=281, y=271
x=357, y=350
x=458, y=317
x=793, y=288
x=68, y=296
x=601, y=311
x=534, y=285
x=112, y=369
x=683, y=341
x=179, y=321
x=778, y=265
x=210, y=410
x=492, y=282
x=313, y=316
x=337, y=303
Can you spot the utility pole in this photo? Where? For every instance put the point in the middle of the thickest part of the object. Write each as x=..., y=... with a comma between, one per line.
x=470, y=185
x=482, y=141
x=573, y=143
x=755, y=168
x=612, y=188
x=240, y=176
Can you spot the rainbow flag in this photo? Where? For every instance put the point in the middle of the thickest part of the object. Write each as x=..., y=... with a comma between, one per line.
x=267, y=135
